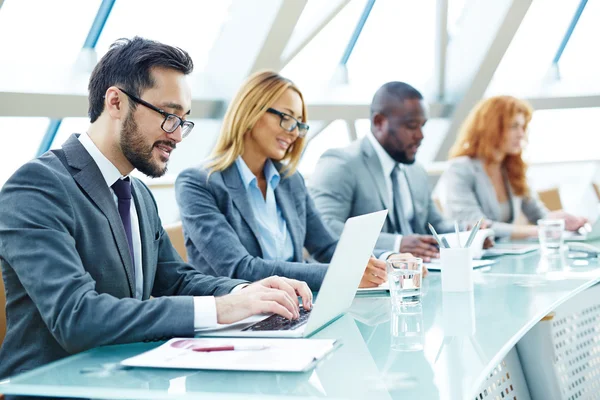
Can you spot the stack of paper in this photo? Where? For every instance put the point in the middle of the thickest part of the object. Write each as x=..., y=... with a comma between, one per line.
x=245, y=354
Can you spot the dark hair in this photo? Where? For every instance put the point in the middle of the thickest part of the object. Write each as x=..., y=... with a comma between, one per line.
x=392, y=92
x=128, y=63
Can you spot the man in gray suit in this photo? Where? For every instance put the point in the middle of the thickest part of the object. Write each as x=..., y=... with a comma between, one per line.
x=81, y=244
x=380, y=172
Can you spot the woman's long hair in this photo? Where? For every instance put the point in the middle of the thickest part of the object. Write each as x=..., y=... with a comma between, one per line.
x=484, y=132
x=256, y=95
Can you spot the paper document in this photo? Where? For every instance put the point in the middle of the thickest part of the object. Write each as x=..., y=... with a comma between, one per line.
x=502, y=249
x=293, y=355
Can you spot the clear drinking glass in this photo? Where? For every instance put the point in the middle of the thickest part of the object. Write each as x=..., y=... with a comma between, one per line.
x=406, y=329
x=550, y=232
x=404, y=277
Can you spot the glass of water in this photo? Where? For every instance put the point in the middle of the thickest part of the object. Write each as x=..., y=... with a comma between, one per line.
x=406, y=329
x=550, y=232
x=404, y=277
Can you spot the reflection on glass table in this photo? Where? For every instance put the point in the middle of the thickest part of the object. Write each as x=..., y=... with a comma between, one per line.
x=406, y=328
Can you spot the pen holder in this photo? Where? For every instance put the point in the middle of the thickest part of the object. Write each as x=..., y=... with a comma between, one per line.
x=457, y=269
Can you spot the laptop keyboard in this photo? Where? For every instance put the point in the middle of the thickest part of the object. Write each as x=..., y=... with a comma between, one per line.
x=278, y=323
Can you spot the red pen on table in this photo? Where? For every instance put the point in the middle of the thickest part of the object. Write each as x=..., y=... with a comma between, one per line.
x=228, y=348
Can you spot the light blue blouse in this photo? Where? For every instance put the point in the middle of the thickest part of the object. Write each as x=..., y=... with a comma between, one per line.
x=275, y=240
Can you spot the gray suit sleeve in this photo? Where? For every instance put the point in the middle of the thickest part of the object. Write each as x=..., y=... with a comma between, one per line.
x=533, y=208
x=461, y=203
x=219, y=244
x=39, y=246
x=332, y=187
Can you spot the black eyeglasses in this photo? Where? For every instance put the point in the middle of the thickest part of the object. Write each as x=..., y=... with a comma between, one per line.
x=171, y=122
x=290, y=123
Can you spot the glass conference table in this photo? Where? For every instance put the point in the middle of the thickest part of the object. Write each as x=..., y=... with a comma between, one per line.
x=464, y=338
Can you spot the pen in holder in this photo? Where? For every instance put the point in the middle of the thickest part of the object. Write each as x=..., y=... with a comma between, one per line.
x=457, y=269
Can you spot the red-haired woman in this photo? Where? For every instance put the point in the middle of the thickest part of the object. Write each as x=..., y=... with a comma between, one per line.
x=487, y=176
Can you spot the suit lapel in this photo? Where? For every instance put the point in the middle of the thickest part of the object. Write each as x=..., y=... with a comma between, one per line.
x=286, y=203
x=146, y=237
x=374, y=167
x=90, y=179
x=238, y=194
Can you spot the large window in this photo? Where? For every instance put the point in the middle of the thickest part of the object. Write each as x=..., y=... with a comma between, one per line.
x=525, y=70
x=27, y=134
x=397, y=44
x=314, y=67
x=40, y=42
x=191, y=25
x=564, y=135
x=579, y=64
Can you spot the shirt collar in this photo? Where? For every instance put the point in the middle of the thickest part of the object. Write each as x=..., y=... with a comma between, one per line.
x=387, y=162
x=109, y=172
x=271, y=173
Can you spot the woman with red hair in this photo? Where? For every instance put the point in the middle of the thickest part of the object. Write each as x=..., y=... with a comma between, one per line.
x=487, y=176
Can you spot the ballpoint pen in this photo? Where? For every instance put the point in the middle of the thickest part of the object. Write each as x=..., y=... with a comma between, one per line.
x=228, y=348
x=435, y=235
x=457, y=233
x=474, y=232
x=445, y=242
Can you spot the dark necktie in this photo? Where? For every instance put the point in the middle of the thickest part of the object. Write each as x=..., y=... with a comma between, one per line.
x=400, y=221
x=122, y=188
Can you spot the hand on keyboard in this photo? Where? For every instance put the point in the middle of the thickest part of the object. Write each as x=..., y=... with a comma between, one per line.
x=272, y=295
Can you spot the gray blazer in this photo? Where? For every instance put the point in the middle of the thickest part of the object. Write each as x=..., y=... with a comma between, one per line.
x=349, y=182
x=67, y=269
x=221, y=234
x=467, y=193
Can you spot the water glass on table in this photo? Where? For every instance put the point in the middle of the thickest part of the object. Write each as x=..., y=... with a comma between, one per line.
x=404, y=277
x=550, y=233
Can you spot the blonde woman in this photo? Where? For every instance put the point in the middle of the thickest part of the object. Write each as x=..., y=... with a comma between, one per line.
x=487, y=176
x=246, y=213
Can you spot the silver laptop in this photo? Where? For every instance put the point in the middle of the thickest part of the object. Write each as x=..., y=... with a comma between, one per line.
x=343, y=276
x=591, y=233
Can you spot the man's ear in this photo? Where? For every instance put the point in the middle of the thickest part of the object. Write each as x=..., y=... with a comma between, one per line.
x=115, y=103
x=379, y=121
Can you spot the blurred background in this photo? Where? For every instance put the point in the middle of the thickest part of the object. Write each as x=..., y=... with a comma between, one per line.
x=338, y=52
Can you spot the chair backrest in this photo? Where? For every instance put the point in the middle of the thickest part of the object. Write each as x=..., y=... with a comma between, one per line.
x=551, y=199
x=438, y=204
x=2, y=311
x=175, y=232
x=596, y=190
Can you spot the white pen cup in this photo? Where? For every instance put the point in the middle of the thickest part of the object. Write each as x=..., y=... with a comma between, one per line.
x=457, y=269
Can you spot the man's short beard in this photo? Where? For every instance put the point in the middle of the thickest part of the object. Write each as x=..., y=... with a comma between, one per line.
x=137, y=152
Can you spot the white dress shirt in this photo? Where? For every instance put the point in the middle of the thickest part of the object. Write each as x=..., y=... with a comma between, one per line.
x=387, y=165
x=205, y=308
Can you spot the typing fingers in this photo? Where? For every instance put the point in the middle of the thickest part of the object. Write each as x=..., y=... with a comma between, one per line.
x=301, y=289
x=281, y=298
x=285, y=285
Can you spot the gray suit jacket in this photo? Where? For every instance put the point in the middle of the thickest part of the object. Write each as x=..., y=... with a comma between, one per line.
x=467, y=193
x=67, y=269
x=221, y=234
x=349, y=182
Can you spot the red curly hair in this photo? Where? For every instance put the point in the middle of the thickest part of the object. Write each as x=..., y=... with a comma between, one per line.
x=484, y=131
